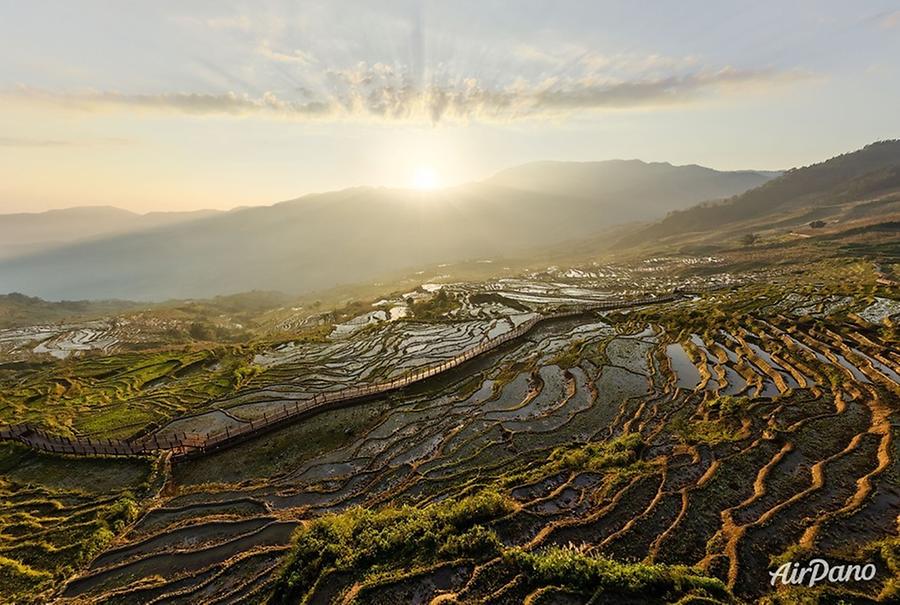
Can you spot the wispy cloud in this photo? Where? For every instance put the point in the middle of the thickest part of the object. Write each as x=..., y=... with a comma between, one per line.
x=237, y=22
x=575, y=56
x=23, y=142
x=385, y=92
x=190, y=103
x=295, y=56
x=890, y=20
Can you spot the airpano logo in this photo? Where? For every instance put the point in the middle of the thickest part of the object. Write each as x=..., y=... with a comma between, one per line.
x=819, y=570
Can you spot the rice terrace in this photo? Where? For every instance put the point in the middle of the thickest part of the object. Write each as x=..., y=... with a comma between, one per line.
x=621, y=439
x=370, y=302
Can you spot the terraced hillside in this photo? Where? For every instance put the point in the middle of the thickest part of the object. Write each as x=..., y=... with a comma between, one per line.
x=674, y=452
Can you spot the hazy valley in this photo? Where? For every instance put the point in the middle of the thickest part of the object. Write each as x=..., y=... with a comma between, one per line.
x=345, y=237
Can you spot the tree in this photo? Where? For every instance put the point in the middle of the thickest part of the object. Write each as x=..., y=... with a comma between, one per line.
x=749, y=239
x=201, y=331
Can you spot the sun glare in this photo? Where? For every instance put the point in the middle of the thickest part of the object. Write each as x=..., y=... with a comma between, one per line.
x=425, y=177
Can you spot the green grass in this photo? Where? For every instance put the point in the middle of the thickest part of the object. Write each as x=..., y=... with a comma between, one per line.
x=709, y=432
x=57, y=513
x=20, y=580
x=606, y=580
x=377, y=546
x=613, y=456
x=728, y=405
x=620, y=451
x=117, y=395
x=20, y=465
x=369, y=543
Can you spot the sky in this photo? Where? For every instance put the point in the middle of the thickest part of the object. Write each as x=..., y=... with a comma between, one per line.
x=215, y=104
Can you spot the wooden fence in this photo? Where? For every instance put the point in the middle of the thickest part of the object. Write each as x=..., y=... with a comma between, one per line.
x=182, y=445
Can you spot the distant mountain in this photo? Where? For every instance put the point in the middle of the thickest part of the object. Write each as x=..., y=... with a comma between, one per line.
x=27, y=233
x=357, y=235
x=630, y=190
x=850, y=190
x=19, y=310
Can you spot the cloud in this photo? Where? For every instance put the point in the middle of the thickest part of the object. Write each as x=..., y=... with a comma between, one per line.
x=240, y=23
x=889, y=20
x=229, y=103
x=592, y=94
x=296, y=56
x=574, y=56
x=387, y=92
x=19, y=142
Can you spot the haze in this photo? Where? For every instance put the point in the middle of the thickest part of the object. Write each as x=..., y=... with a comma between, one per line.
x=164, y=106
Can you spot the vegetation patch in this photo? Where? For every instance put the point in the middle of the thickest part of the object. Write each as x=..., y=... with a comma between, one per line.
x=115, y=396
x=570, y=356
x=56, y=514
x=729, y=405
x=392, y=540
x=709, y=432
x=435, y=308
x=605, y=580
x=618, y=452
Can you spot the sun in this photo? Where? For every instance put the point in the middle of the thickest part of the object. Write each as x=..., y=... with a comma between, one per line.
x=425, y=177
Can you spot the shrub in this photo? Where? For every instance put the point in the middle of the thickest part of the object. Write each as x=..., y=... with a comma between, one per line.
x=602, y=577
x=437, y=307
x=121, y=513
x=709, y=432
x=620, y=451
x=729, y=405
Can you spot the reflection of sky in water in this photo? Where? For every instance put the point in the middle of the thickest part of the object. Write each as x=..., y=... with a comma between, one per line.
x=686, y=372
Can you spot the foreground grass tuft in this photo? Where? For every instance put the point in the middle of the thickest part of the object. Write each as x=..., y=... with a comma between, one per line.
x=366, y=542
x=602, y=578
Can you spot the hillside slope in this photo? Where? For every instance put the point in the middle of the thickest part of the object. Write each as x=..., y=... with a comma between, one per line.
x=847, y=191
x=629, y=190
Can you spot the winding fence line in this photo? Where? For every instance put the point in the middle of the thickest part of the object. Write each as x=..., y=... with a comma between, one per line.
x=183, y=445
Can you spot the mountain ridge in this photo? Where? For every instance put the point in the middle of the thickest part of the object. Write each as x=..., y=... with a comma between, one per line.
x=834, y=190
x=23, y=233
x=354, y=235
